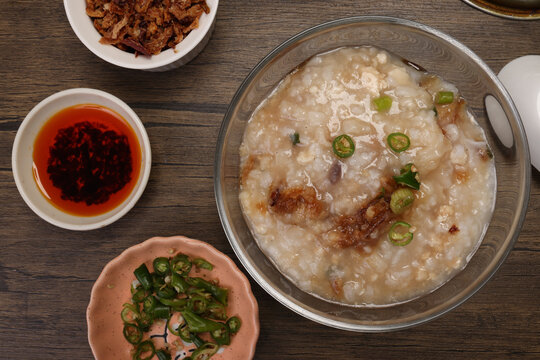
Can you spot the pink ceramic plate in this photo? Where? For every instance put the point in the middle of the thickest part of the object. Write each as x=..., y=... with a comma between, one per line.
x=112, y=289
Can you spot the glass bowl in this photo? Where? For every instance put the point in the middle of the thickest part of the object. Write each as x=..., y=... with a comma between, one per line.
x=438, y=53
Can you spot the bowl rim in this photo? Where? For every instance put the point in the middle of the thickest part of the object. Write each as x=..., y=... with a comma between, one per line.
x=179, y=52
x=137, y=191
x=293, y=304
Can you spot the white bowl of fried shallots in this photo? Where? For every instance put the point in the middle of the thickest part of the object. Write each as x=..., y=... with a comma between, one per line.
x=143, y=34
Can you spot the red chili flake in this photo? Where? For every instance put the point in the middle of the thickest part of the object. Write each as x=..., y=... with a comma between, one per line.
x=89, y=162
x=453, y=229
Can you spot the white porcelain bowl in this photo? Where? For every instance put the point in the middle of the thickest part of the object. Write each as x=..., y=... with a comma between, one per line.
x=22, y=160
x=169, y=59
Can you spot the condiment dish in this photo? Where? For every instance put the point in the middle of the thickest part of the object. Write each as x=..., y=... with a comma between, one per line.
x=169, y=59
x=23, y=160
x=112, y=289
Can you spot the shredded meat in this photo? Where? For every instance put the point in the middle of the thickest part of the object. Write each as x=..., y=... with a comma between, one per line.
x=145, y=27
x=299, y=200
x=354, y=230
x=450, y=113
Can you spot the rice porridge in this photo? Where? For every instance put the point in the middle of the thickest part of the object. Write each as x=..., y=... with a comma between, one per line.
x=365, y=181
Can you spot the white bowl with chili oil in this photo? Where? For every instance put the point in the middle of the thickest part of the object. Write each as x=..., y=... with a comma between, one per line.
x=81, y=159
x=169, y=58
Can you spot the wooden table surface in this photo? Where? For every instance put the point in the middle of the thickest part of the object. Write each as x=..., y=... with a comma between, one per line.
x=46, y=273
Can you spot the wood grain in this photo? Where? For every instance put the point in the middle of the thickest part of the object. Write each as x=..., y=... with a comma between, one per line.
x=46, y=273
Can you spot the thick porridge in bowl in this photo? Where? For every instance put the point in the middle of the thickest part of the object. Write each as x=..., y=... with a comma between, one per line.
x=365, y=181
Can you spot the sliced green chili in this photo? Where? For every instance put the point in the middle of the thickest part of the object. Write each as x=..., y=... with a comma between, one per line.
x=234, y=324
x=175, y=304
x=184, y=332
x=172, y=329
x=216, y=311
x=145, y=321
x=139, y=295
x=130, y=313
x=444, y=97
x=149, y=305
x=401, y=200
x=179, y=284
x=221, y=335
x=161, y=311
x=400, y=238
x=343, y=146
x=383, y=103
x=146, y=349
x=408, y=176
x=163, y=355
x=181, y=264
x=295, y=138
x=199, y=324
x=166, y=292
x=205, y=351
x=161, y=265
x=196, y=340
x=157, y=281
x=202, y=264
x=398, y=142
x=143, y=275
x=132, y=333
x=220, y=294
x=198, y=304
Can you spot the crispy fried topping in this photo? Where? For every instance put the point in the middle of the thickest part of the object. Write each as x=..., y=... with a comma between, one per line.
x=300, y=200
x=354, y=230
x=146, y=27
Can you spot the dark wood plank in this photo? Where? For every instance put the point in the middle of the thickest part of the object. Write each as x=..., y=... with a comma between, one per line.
x=46, y=273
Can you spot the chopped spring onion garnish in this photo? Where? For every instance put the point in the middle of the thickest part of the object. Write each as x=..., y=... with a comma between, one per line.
x=408, y=176
x=343, y=146
x=400, y=238
x=383, y=103
x=444, y=97
x=401, y=200
x=398, y=142
x=295, y=138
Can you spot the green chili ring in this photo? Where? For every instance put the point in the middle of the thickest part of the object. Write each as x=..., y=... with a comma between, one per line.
x=401, y=200
x=145, y=347
x=161, y=265
x=205, y=351
x=445, y=97
x=132, y=333
x=398, y=142
x=202, y=264
x=129, y=313
x=234, y=324
x=343, y=146
x=400, y=239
